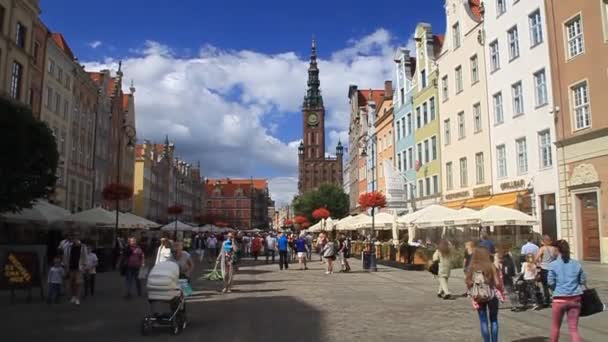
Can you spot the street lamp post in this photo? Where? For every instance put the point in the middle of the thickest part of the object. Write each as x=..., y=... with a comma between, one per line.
x=130, y=133
x=181, y=182
x=371, y=142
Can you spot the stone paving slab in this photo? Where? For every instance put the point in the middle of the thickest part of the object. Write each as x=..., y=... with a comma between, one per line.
x=293, y=305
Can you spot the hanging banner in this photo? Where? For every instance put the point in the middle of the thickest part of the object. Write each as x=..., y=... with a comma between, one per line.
x=394, y=186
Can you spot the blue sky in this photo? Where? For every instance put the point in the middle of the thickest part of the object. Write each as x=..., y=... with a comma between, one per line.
x=225, y=79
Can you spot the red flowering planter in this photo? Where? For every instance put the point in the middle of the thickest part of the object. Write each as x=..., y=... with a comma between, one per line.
x=374, y=199
x=175, y=210
x=320, y=213
x=117, y=192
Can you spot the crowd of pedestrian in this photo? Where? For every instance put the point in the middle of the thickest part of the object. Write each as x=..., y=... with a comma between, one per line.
x=544, y=276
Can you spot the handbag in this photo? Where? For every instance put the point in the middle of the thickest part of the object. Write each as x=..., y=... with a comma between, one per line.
x=143, y=273
x=591, y=303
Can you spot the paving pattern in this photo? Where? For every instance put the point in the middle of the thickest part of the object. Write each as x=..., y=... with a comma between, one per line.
x=272, y=305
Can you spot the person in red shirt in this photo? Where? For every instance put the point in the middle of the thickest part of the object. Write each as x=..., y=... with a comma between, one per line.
x=133, y=261
x=256, y=246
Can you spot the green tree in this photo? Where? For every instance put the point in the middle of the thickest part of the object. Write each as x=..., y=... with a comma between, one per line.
x=329, y=196
x=28, y=157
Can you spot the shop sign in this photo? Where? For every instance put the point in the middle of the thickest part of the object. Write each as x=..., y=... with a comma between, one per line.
x=513, y=184
x=457, y=195
x=20, y=270
x=482, y=191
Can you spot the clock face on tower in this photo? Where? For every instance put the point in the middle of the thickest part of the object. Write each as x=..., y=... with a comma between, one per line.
x=313, y=119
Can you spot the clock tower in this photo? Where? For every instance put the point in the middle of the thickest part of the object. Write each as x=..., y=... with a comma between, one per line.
x=314, y=168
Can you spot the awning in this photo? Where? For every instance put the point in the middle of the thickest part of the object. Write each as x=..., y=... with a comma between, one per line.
x=508, y=200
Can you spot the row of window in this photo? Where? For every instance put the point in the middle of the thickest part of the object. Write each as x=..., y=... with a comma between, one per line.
x=517, y=97
x=20, y=29
x=65, y=80
x=426, y=152
x=536, y=38
x=447, y=129
x=521, y=149
x=53, y=103
x=464, y=172
x=429, y=186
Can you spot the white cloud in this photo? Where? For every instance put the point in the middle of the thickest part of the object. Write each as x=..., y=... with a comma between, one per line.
x=213, y=104
x=95, y=44
x=283, y=189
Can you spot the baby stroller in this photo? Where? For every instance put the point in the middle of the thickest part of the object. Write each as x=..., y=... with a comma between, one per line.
x=523, y=293
x=165, y=289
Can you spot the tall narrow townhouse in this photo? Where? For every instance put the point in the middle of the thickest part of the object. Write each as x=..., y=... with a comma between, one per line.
x=101, y=141
x=82, y=135
x=522, y=130
x=426, y=109
x=383, y=125
x=19, y=49
x=57, y=107
x=465, y=124
x=578, y=41
x=405, y=143
x=363, y=107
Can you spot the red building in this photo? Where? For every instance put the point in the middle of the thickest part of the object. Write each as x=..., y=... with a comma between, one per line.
x=240, y=203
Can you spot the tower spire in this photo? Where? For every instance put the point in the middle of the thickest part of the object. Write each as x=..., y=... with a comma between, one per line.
x=313, y=96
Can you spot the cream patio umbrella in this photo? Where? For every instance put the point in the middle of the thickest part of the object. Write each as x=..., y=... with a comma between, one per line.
x=315, y=228
x=381, y=221
x=95, y=217
x=42, y=212
x=177, y=225
x=445, y=217
x=349, y=222
x=501, y=216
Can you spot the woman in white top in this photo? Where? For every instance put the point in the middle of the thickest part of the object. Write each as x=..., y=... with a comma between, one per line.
x=164, y=251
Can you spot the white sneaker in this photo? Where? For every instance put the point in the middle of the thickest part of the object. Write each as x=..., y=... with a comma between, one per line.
x=72, y=300
x=327, y=272
x=76, y=301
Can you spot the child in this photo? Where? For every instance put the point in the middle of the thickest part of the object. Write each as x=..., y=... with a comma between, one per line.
x=55, y=279
x=530, y=272
x=89, y=273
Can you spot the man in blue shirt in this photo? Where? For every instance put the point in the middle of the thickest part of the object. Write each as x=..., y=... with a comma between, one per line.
x=528, y=248
x=486, y=243
x=283, y=244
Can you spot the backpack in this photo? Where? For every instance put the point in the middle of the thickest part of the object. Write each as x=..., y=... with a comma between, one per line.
x=481, y=291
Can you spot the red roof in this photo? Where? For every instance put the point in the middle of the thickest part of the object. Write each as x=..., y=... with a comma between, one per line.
x=139, y=150
x=438, y=43
x=258, y=183
x=377, y=96
x=63, y=44
x=475, y=6
x=228, y=190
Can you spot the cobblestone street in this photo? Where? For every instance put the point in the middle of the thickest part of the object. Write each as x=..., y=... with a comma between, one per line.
x=272, y=305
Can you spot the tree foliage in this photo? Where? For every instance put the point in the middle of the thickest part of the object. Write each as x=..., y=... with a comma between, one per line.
x=28, y=157
x=328, y=196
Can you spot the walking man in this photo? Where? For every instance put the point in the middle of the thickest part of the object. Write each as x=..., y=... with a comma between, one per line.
x=283, y=244
x=271, y=245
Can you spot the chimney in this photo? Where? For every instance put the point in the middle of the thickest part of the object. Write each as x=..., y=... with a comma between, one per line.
x=388, y=89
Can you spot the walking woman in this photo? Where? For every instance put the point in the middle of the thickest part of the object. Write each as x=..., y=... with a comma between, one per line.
x=484, y=284
x=227, y=259
x=443, y=255
x=329, y=253
x=164, y=251
x=566, y=277
x=321, y=241
x=545, y=256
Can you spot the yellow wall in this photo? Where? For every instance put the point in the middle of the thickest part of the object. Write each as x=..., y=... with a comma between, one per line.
x=138, y=189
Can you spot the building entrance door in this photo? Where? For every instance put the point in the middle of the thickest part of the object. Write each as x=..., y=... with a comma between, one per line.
x=548, y=219
x=589, y=226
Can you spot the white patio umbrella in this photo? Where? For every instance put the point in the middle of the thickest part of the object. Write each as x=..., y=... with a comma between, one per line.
x=430, y=212
x=328, y=224
x=501, y=216
x=95, y=217
x=181, y=227
x=349, y=222
x=132, y=221
x=42, y=212
x=382, y=221
x=446, y=217
x=209, y=228
x=315, y=228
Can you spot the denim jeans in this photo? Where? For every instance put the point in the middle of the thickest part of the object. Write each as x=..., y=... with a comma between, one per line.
x=131, y=277
x=546, y=292
x=489, y=308
x=53, y=295
x=269, y=252
x=283, y=259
